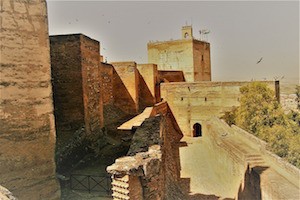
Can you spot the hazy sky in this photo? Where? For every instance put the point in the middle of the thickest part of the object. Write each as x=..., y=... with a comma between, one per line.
x=240, y=32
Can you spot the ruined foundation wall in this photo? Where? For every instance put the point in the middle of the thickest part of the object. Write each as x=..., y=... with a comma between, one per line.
x=153, y=158
x=195, y=102
x=27, y=137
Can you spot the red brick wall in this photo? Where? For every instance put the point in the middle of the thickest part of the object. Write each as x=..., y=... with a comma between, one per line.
x=76, y=83
x=67, y=83
x=107, y=77
x=93, y=105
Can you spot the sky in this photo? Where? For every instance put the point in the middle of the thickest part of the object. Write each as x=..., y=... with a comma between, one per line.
x=241, y=32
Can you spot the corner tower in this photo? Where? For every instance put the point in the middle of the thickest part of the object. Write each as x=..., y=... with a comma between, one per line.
x=188, y=54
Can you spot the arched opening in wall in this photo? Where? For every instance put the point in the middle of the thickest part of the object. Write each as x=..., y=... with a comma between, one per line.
x=197, y=130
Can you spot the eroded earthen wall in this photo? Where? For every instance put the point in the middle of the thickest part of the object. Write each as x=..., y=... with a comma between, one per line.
x=27, y=137
x=195, y=102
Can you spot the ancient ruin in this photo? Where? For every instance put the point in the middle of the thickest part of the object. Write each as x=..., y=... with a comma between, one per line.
x=154, y=128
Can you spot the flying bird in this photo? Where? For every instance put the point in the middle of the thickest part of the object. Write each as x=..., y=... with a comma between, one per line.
x=259, y=60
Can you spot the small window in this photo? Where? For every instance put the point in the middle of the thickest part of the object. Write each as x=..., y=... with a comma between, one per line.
x=202, y=58
x=186, y=35
x=197, y=132
x=205, y=98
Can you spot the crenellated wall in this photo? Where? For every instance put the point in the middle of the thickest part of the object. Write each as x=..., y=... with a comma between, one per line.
x=27, y=137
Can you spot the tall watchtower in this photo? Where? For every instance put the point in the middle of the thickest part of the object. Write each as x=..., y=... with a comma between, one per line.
x=187, y=32
x=189, y=55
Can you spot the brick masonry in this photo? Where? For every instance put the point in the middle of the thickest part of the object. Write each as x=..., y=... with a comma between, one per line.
x=27, y=136
x=76, y=84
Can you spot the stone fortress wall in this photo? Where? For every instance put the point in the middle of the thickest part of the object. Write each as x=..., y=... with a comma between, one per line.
x=27, y=138
x=85, y=88
x=195, y=102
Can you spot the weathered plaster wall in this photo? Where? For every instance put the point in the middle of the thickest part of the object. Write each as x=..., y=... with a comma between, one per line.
x=127, y=76
x=182, y=55
x=194, y=102
x=27, y=136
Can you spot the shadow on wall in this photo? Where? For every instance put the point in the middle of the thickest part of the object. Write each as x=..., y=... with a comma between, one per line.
x=122, y=98
x=146, y=99
x=250, y=188
x=185, y=186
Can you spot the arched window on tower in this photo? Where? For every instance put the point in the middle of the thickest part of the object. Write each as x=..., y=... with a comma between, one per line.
x=197, y=130
x=186, y=35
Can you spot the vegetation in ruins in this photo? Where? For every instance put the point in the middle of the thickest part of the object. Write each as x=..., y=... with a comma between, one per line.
x=261, y=114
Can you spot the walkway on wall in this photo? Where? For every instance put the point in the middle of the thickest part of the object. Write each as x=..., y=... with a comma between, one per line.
x=214, y=166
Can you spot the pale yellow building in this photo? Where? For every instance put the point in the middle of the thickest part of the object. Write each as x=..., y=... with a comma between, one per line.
x=187, y=54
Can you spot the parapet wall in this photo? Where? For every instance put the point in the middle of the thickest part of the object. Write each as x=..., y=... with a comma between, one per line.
x=27, y=139
x=257, y=171
x=195, y=102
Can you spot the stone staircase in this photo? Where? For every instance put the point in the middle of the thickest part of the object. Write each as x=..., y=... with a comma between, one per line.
x=120, y=188
x=255, y=160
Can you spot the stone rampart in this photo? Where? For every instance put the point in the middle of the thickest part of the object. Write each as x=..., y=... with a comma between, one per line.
x=27, y=138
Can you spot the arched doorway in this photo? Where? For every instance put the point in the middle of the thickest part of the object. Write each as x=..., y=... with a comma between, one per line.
x=197, y=130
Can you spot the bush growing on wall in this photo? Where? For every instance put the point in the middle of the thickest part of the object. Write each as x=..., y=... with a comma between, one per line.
x=261, y=114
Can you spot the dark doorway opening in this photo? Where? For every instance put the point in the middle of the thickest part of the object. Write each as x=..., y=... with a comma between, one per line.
x=197, y=132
